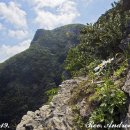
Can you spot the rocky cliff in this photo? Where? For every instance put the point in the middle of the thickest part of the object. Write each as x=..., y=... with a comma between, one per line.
x=126, y=88
x=25, y=78
x=99, y=97
x=57, y=115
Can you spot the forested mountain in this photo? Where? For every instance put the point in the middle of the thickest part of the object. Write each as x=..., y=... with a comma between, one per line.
x=98, y=66
x=98, y=95
x=25, y=78
x=103, y=57
x=99, y=41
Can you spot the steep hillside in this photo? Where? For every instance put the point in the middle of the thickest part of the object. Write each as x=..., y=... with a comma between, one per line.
x=59, y=38
x=25, y=78
x=97, y=100
x=55, y=115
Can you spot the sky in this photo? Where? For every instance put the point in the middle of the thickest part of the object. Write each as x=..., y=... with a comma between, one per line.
x=19, y=19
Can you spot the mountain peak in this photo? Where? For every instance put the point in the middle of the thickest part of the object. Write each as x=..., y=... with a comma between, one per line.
x=57, y=37
x=25, y=78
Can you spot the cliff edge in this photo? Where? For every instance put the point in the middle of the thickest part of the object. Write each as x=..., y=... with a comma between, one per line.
x=57, y=115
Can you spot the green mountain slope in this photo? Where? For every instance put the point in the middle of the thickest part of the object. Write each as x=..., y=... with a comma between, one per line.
x=102, y=56
x=26, y=77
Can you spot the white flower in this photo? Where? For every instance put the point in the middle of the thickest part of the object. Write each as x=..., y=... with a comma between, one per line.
x=110, y=60
x=103, y=64
x=96, y=69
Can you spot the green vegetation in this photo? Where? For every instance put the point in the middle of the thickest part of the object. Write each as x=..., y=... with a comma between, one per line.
x=27, y=79
x=51, y=93
x=98, y=41
x=112, y=101
x=105, y=101
x=78, y=119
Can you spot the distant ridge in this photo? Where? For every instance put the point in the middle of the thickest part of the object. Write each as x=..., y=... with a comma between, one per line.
x=25, y=78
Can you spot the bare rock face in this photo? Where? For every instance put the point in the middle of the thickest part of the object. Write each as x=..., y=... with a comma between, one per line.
x=126, y=4
x=126, y=88
x=57, y=115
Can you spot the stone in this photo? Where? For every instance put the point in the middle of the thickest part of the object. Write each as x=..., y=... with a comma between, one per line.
x=126, y=89
x=30, y=113
x=126, y=5
x=26, y=117
x=57, y=115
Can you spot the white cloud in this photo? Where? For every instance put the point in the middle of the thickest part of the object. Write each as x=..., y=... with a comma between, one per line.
x=12, y=13
x=87, y=2
x=47, y=3
x=65, y=12
x=7, y=51
x=1, y=26
x=19, y=34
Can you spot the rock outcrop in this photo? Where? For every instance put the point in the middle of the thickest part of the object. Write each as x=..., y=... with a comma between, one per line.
x=126, y=4
x=57, y=115
x=126, y=88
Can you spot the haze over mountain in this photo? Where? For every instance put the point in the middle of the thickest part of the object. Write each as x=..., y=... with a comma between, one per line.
x=98, y=95
x=25, y=78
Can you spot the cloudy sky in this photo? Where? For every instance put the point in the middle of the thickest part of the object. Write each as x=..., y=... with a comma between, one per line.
x=19, y=19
